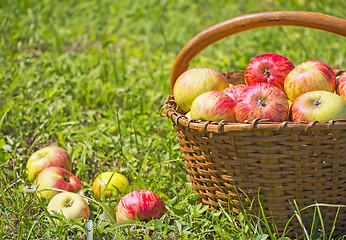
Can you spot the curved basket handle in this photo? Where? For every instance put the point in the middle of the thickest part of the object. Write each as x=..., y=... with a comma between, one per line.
x=251, y=21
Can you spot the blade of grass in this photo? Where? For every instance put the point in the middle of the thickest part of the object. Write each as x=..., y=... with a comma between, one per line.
x=333, y=227
x=321, y=220
x=265, y=218
x=299, y=217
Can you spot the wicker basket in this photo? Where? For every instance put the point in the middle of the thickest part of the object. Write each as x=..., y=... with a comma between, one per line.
x=275, y=161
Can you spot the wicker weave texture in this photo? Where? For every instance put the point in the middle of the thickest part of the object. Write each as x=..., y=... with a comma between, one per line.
x=276, y=166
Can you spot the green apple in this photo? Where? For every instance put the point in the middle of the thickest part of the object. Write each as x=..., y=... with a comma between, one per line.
x=56, y=177
x=109, y=184
x=47, y=157
x=71, y=205
x=321, y=106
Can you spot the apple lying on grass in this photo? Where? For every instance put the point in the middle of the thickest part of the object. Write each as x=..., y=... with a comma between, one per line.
x=141, y=205
x=309, y=76
x=194, y=82
x=109, y=184
x=341, y=86
x=268, y=68
x=56, y=177
x=71, y=205
x=321, y=106
x=262, y=100
x=47, y=157
x=213, y=106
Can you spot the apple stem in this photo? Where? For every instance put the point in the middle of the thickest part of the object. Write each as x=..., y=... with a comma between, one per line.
x=69, y=203
x=261, y=103
x=267, y=72
x=316, y=103
x=66, y=179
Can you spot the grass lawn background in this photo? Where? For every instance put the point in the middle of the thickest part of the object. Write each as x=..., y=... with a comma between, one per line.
x=91, y=77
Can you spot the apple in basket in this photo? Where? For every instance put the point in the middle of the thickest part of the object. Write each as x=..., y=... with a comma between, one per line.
x=47, y=157
x=58, y=178
x=309, y=76
x=262, y=100
x=235, y=91
x=341, y=86
x=213, y=106
x=71, y=205
x=140, y=205
x=321, y=106
x=194, y=82
x=268, y=68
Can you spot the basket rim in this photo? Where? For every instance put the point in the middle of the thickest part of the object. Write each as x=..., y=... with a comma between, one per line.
x=171, y=110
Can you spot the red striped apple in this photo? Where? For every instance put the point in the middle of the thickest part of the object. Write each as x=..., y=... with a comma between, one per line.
x=262, y=100
x=71, y=205
x=235, y=91
x=321, y=106
x=140, y=205
x=341, y=86
x=213, y=106
x=309, y=76
x=194, y=82
x=56, y=177
x=268, y=68
x=47, y=157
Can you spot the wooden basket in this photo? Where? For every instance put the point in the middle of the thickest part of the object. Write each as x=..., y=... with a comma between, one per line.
x=278, y=162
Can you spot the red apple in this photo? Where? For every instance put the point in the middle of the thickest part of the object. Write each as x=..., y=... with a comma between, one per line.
x=235, y=91
x=268, y=68
x=213, y=106
x=309, y=76
x=140, y=205
x=47, y=157
x=341, y=86
x=194, y=82
x=321, y=106
x=262, y=100
x=71, y=205
x=59, y=178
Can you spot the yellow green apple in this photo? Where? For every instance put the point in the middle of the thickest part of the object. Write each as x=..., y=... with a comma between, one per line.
x=71, y=205
x=109, y=184
x=321, y=106
x=196, y=81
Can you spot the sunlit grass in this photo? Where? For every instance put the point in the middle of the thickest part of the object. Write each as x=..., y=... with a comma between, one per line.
x=91, y=77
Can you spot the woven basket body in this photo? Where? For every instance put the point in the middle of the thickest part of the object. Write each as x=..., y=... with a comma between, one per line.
x=232, y=163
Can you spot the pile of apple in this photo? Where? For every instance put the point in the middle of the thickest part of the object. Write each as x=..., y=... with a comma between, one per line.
x=50, y=170
x=275, y=90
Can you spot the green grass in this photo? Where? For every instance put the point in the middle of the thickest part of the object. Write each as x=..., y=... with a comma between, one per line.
x=91, y=77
